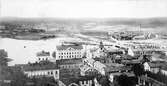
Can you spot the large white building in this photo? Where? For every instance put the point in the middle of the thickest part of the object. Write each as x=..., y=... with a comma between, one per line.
x=39, y=70
x=68, y=52
x=140, y=48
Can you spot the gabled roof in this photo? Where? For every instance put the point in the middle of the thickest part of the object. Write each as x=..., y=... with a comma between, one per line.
x=157, y=64
x=69, y=80
x=65, y=47
x=69, y=61
x=39, y=66
x=43, y=53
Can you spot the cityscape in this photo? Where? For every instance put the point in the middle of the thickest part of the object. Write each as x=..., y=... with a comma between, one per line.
x=83, y=43
x=98, y=55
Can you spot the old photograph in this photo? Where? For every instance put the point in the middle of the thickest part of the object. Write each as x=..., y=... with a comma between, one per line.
x=83, y=42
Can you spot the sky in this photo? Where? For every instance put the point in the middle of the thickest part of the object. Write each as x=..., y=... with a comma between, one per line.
x=84, y=8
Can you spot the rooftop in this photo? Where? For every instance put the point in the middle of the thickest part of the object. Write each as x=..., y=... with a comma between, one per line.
x=65, y=47
x=39, y=66
x=68, y=81
x=43, y=53
x=159, y=64
x=69, y=61
x=113, y=68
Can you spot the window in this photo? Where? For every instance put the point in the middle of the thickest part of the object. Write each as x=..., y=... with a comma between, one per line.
x=48, y=73
x=39, y=59
x=51, y=73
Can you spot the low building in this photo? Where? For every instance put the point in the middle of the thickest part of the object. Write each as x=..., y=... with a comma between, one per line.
x=79, y=81
x=43, y=56
x=164, y=70
x=104, y=51
x=69, y=67
x=41, y=69
x=155, y=66
x=69, y=63
x=145, y=48
x=68, y=52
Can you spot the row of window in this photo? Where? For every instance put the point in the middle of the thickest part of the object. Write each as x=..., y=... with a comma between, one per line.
x=145, y=52
x=67, y=53
x=71, y=56
x=70, y=66
x=86, y=82
x=42, y=59
x=146, y=47
x=41, y=73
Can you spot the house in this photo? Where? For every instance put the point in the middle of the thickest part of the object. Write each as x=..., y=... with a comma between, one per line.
x=43, y=56
x=164, y=70
x=95, y=65
x=69, y=67
x=154, y=66
x=68, y=52
x=69, y=63
x=140, y=48
x=41, y=69
x=77, y=81
x=86, y=70
x=105, y=51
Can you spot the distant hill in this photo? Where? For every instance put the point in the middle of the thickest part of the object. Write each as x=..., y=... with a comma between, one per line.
x=144, y=22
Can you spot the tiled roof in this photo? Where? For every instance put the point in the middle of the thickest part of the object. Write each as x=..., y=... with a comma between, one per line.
x=116, y=68
x=43, y=53
x=69, y=61
x=157, y=64
x=64, y=47
x=38, y=66
x=69, y=80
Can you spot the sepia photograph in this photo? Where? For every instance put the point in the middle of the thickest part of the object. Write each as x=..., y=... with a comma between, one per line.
x=83, y=42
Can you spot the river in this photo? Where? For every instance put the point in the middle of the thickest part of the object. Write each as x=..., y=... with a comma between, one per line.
x=23, y=51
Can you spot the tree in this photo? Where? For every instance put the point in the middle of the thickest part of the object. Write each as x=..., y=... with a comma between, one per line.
x=18, y=77
x=138, y=70
x=3, y=58
x=124, y=80
x=3, y=66
x=103, y=80
x=44, y=81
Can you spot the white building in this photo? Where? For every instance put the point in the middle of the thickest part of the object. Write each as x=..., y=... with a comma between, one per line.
x=43, y=56
x=39, y=70
x=164, y=71
x=154, y=67
x=49, y=73
x=68, y=52
x=79, y=81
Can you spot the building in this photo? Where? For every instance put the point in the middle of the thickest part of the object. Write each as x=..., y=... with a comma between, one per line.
x=164, y=70
x=104, y=51
x=155, y=66
x=79, y=81
x=69, y=63
x=145, y=48
x=69, y=67
x=68, y=52
x=43, y=56
x=41, y=69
